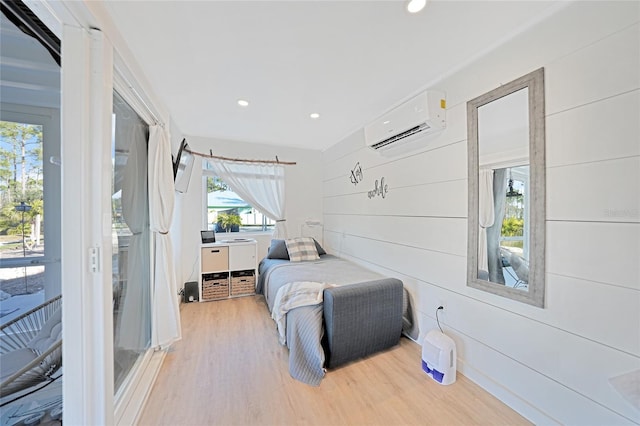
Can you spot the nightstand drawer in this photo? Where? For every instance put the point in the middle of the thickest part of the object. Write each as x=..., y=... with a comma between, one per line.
x=215, y=259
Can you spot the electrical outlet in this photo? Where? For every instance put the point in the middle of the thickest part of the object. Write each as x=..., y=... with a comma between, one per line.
x=441, y=312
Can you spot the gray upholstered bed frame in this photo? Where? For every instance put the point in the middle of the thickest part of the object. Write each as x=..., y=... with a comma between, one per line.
x=362, y=319
x=363, y=312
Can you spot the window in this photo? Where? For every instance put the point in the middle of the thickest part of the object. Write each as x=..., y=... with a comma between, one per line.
x=130, y=231
x=225, y=211
x=514, y=237
x=30, y=204
x=30, y=198
x=22, y=207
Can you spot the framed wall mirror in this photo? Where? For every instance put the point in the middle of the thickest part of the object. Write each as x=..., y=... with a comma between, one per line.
x=506, y=164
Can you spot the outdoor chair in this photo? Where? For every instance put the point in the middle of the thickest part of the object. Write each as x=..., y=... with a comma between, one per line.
x=31, y=347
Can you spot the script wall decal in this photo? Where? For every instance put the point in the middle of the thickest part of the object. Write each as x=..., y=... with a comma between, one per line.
x=356, y=174
x=379, y=190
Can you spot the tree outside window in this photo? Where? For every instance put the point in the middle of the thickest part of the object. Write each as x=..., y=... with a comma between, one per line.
x=21, y=181
x=227, y=212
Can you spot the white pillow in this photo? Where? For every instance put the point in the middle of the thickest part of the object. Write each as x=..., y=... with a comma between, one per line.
x=303, y=248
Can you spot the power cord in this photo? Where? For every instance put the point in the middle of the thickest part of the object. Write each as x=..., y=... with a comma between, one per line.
x=193, y=269
x=437, y=319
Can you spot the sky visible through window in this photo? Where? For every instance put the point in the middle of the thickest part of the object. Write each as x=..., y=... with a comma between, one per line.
x=21, y=206
x=227, y=212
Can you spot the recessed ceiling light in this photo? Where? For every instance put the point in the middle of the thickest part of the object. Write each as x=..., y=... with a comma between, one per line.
x=415, y=6
x=314, y=115
x=243, y=103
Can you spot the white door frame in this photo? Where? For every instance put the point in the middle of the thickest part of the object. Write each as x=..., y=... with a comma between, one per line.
x=87, y=66
x=88, y=58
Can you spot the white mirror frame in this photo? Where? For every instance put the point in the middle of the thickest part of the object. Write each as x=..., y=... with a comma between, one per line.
x=534, y=81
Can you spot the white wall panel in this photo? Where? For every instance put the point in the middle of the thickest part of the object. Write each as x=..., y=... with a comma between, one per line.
x=441, y=269
x=483, y=342
x=427, y=267
x=578, y=363
x=447, y=235
x=603, y=313
x=558, y=37
x=590, y=75
x=303, y=191
x=600, y=191
x=348, y=145
x=456, y=130
x=479, y=339
x=345, y=204
x=442, y=164
x=342, y=167
x=604, y=252
x=542, y=349
x=543, y=399
x=551, y=364
x=598, y=131
x=340, y=180
x=444, y=199
x=340, y=185
x=503, y=371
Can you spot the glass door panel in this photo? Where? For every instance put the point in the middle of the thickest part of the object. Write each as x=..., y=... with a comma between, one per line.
x=130, y=240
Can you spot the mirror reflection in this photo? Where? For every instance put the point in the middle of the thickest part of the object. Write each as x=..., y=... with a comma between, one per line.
x=503, y=252
x=503, y=156
x=506, y=218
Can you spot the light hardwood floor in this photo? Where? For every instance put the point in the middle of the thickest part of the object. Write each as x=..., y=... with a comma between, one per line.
x=229, y=369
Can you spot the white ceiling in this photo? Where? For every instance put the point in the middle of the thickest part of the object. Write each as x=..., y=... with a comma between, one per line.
x=28, y=73
x=350, y=61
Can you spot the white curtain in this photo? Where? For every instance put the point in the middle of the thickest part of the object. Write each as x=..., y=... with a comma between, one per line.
x=486, y=214
x=166, y=314
x=259, y=184
x=494, y=256
x=133, y=330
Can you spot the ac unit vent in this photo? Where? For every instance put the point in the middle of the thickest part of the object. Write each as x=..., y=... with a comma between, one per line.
x=392, y=139
x=421, y=115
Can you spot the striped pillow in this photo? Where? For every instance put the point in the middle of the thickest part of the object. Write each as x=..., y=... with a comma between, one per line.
x=303, y=248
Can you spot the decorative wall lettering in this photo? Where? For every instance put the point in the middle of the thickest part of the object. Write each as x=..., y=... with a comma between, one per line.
x=379, y=190
x=356, y=174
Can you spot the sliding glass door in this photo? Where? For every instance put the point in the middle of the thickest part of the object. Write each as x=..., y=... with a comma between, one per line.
x=130, y=240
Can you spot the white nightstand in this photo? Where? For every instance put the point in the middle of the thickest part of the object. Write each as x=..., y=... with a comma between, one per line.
x=228, y=268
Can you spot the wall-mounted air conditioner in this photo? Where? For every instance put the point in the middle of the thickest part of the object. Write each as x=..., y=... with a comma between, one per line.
x=415, y=118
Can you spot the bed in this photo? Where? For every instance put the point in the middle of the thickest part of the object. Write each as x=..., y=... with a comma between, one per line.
x=360, y=312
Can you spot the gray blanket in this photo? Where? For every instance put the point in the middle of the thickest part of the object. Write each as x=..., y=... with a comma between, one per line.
x=304, y=340
x=329, y=269
x=304, y=324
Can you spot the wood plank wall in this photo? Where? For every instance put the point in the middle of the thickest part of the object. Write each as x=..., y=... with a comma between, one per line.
x=552, y=365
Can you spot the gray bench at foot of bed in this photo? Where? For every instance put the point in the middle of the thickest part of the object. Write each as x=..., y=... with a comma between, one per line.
x=361, y=319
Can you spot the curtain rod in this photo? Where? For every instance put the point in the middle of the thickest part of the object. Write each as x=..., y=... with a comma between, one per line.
x=138, y=97
x=240, y=160
x=154, y=117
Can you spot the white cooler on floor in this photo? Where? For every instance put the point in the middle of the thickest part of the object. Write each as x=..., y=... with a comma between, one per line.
x=439, y=357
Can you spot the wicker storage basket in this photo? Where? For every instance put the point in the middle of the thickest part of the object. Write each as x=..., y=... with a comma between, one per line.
x=243, y=283
x=215, y=286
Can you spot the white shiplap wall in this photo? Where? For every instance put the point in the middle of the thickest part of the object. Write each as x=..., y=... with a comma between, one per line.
x=553, y=365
